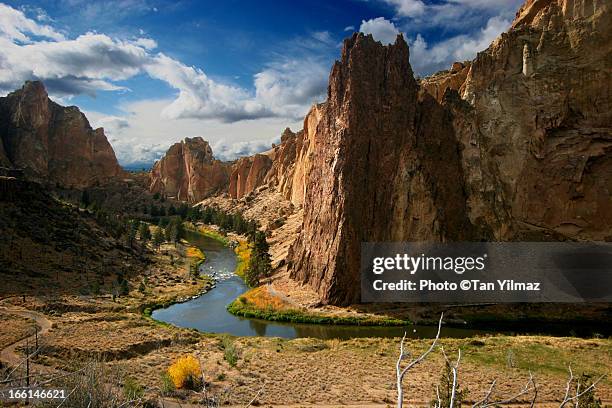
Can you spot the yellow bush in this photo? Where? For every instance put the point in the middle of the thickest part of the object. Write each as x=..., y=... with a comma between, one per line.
x=243, y=252
x=193, y=252
x=260, y=298
x=186, y=373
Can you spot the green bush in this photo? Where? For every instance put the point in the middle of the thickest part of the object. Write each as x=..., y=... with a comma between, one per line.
x=230, y=353
x=131, y=389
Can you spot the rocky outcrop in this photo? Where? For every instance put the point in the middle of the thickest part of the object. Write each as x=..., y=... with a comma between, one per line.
x=188, y=171
x=52, y=143
x=290, y=164
x=537, y=135
x=453, y=79
x=384, y=167
x=515, y=145
x=248, y=173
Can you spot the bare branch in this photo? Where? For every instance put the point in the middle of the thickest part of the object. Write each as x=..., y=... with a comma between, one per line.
x=454, y=369
x=398, y=366
x=486, y=397
x=535, y=390
x=579, y=393
x=485, y=402
x=256, y=395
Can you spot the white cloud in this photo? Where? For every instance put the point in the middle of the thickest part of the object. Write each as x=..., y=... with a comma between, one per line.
x=470, y=26
x=381, y=29
x=289, y=86
x=15, y=26
x=142, y=135
x=230, y=151
x=93, y=62
x=426, y=59
x=349, y=28
x=408, y=8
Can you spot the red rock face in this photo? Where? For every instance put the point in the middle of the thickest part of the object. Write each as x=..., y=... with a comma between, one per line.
x=541, y=99
x=53, y=143
x=453, y=79
x=290, y=159
x=189, y=172
x=248, y=173
x=516, y=148
x=384, y=167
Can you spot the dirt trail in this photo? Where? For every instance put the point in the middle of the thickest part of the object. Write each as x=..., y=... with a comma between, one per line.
x=9, y=354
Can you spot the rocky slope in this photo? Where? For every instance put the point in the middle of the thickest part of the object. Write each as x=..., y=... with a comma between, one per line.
x=48, y=247
x=52, y=143
x=189, y=172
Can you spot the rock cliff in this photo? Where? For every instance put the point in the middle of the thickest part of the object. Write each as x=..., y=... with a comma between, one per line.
x=189, y=172
x=52, y=143
x=248, y=173
x=384, y=167
x=514, y=145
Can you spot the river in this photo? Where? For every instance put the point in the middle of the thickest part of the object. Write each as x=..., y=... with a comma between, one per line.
x=208, y=313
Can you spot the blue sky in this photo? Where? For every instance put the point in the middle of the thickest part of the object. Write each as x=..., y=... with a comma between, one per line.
x=234, y=72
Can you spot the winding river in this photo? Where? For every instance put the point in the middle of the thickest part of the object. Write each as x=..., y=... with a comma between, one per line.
x=208, y=313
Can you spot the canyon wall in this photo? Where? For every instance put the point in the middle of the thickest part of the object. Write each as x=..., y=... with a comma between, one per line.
x=514, y=145
x=52, y=143
x=384, y=167
x=188, y=171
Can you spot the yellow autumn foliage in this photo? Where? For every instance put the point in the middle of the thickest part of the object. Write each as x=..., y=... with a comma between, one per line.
x=194, y=252
x=243, y=252
x=186, y=372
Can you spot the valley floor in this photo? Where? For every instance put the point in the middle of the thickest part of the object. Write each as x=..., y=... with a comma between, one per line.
x=276, y=372
x=299, y=372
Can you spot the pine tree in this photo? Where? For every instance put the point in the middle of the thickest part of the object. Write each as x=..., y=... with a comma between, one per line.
x=85, y=200
x=132, y=228
x=260, y=264
x=158, y=237
x=144, y=232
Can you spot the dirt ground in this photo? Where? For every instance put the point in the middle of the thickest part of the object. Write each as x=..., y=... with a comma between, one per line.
x=278, y=372
x=14, y=328
x=311, y=372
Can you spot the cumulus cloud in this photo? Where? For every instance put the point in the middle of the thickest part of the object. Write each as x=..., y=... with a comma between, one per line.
x=230, y=151
x=93, y=62
x=426, y=58
x=141, y=135
x=15, y=26
x=470, y=26
x=408, y=8
x=381, y=29
x=288, y=86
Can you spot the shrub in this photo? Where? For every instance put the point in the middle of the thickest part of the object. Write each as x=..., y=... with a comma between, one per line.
x=186, y=372
x=230, y=353
x=167, y=386
x=446, y=388
x=132, y=390
x=588, y=399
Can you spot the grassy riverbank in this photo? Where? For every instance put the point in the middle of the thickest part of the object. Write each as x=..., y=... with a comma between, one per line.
x=258, y=303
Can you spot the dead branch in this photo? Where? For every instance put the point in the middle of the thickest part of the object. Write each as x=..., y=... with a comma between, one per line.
x=579, y=393
x=455, y=370
x=400, y=373
x=486, y=402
